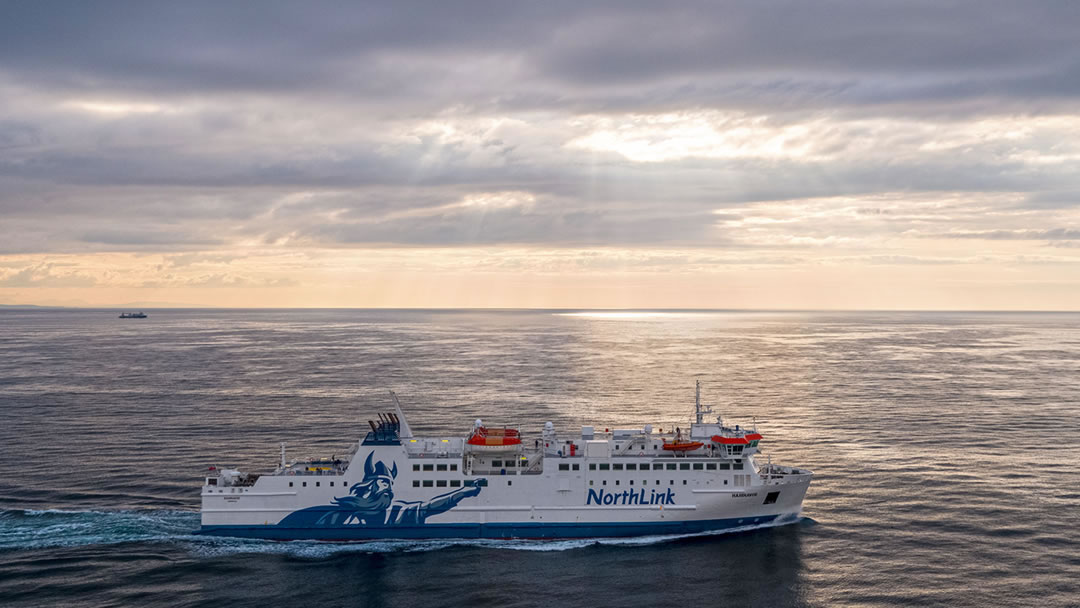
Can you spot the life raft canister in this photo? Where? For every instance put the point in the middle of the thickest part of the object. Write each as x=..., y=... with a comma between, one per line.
x=485, y=436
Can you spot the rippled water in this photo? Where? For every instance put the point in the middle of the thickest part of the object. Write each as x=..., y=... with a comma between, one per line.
x=946, y=448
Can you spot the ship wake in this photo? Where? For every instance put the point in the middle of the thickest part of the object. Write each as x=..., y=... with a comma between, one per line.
x=43, y=529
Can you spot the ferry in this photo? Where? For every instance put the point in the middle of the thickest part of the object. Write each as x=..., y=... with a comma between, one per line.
x=133, y=315
x=494, y=483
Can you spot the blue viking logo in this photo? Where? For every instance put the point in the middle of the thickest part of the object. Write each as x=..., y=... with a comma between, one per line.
x=371, y=503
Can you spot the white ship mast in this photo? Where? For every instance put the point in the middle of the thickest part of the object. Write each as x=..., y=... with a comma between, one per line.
x=699, y=410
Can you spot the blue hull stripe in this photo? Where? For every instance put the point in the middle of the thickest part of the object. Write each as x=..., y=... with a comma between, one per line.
x=486, y=530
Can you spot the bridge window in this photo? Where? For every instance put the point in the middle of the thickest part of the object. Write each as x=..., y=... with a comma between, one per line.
x=429, y=467
x=440, y=483
x=496, y=463
x=631, y=467
x=441, y=467
x=428, y=483
x=577, y=467
x=564, y=467
x=710, y=466
x=684, y=466
x=698, y=466
x=592, y=466
x=510, y=463
x=671, y=466
x=617, y=467
x=605, y=466
x=724, y=466
x=416, y=483
x=455, y=483
x=738, y=466
x=453, y=467
x=416, y=467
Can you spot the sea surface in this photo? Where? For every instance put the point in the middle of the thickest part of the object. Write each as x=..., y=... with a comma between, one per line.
x=945, y=446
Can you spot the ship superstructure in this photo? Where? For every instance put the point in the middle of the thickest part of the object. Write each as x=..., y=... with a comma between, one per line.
x=494, y=483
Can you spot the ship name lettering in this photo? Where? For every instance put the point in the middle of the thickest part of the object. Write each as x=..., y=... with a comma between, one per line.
x=630, y=497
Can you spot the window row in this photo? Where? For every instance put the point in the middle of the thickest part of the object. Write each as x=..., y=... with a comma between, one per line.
x=434, y=467
x=318, y=484
x=659, y=466
x=444, y=483
x=671, y=482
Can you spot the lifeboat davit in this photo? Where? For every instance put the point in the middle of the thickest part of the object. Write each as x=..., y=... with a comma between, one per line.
x=494, y=439
x=682, y=446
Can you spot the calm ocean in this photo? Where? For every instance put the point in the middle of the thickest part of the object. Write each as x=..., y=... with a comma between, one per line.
x=946, y=448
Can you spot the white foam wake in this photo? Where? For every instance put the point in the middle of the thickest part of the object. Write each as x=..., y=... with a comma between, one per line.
x=41, y=529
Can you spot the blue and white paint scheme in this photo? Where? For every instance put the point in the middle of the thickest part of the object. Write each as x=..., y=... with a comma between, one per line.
x=492, y=484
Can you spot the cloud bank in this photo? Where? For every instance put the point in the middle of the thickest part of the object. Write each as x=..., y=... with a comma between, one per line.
x=696, y=139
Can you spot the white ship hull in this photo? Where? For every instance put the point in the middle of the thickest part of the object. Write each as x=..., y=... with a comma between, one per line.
x=551, y=504
x=624, y=483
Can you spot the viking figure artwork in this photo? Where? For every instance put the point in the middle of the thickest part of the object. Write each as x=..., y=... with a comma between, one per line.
x=371, y=503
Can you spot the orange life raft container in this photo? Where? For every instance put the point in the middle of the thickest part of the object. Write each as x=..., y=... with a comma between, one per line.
x=486, y=437
x=682, y=446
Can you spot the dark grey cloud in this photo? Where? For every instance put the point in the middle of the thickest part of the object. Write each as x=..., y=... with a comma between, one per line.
x=348, y=124
x=132, y=236
x=588, y=55
x=1054, y=234
x=517, y=226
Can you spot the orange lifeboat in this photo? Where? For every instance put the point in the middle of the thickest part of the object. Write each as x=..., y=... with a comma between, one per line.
x=744, y=440
x=494, y=439
x=682, y=446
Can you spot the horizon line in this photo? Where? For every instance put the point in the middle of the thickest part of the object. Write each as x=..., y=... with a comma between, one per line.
x=537, y=309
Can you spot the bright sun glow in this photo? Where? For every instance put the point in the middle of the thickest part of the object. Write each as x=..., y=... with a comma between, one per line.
x=116, y=108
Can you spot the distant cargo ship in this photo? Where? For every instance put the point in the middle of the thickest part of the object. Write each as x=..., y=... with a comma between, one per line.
x=132, y=315
x=494, y=484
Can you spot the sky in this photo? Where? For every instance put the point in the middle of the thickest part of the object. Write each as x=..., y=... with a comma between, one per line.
x=781, y=155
